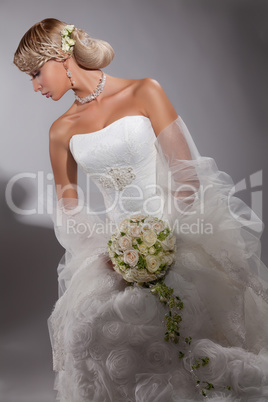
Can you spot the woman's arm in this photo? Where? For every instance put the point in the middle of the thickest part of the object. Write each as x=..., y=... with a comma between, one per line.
x=171, y=139
x=63, y=164
x=156, y=105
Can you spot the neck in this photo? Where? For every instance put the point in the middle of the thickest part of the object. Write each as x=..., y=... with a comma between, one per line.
x=85, y=80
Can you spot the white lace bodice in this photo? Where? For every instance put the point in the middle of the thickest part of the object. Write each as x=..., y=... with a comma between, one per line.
x=121, y=160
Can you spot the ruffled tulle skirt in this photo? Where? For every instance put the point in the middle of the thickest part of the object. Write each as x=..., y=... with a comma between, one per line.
x=108, y=336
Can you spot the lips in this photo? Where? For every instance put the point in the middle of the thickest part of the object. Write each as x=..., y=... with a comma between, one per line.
x=47, y=94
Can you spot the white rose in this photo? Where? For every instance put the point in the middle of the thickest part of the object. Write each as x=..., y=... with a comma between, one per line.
x=131, y=257
x=132, y=275
x=121, y=268
x=134, y=230
x=145, y=226
x=71, y=42
x=169, y=243
x=168, y=259
x=117, y=268
x=69, y=28
x=153, y=263
x=111, y=253
x=149, y=237
x=137, y=218
x=124, y=225
x=114, y=248
x=152, y=250
x=64, y=32
x=143, y=248
x=125, y=242
x=158, y=226
x=150, y=220
x=65, y=47
x=139, y=275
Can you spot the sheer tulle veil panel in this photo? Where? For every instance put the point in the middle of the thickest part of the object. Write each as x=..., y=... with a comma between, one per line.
x=199, y=189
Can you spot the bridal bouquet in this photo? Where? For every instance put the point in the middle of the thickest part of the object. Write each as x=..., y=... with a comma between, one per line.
x=142, y=248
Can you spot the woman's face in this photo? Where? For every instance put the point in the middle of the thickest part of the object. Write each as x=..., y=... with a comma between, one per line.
x=51, y=80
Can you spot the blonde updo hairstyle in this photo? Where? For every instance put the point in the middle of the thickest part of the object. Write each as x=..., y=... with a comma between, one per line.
x=42, y=42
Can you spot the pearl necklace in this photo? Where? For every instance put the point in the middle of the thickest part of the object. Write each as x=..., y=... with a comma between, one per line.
x=97, y=91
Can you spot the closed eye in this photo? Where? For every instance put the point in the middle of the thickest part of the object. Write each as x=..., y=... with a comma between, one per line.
x=34, y=75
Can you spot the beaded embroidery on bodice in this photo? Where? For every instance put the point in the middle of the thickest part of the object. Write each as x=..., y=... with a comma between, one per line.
x=121, y=160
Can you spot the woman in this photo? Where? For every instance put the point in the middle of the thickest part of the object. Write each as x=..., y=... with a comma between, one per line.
x=109, y=340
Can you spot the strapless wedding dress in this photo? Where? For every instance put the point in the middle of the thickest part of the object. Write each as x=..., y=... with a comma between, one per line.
x=108, y=336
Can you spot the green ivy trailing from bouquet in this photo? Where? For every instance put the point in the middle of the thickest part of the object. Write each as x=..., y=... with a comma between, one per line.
x=172, y=321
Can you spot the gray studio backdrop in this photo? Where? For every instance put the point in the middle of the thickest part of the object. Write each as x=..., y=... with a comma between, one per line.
x=211, y=59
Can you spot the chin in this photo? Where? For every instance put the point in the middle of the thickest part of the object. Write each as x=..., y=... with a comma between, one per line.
x=56, y=97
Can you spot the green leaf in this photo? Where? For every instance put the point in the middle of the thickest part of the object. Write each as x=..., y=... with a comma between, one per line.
x=141, y=264
x=163, y=234
x=188, y=340
x=209, y=386
x=205, y=361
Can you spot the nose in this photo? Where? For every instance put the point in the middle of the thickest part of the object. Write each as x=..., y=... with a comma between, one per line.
x=36, y=86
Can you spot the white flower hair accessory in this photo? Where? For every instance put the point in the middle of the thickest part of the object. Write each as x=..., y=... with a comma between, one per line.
x=66, y=42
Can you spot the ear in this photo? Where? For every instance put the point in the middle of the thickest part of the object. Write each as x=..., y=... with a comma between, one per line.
x=66, y=64
x=66, y=61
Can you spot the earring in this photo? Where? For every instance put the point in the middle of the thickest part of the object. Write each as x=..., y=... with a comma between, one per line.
x=69, y=74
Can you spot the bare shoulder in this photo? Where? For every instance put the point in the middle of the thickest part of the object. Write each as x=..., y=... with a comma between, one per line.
x=58, y=128
x=140, y=87
x=61, y=130
x=148, y=86
x=155, y=103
